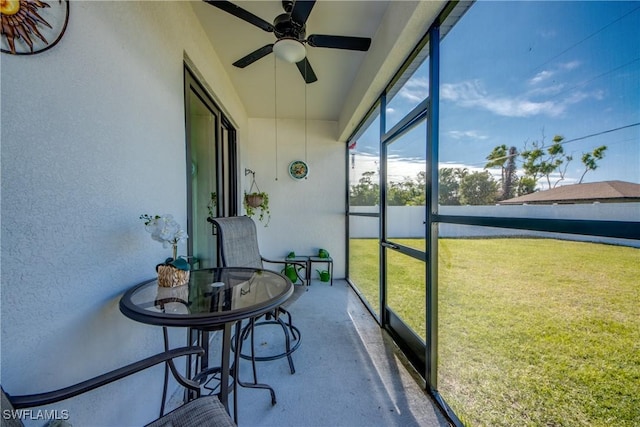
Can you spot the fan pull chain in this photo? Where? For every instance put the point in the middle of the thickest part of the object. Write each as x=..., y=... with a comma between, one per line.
x=305, y=117
x=275, y=108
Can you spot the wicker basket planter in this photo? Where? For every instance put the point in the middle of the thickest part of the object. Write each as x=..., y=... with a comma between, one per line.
x=169, y=276
x=257, y=203
x=254, y=200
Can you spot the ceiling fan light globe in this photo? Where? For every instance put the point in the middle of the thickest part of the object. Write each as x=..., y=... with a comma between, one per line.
x=289, y=50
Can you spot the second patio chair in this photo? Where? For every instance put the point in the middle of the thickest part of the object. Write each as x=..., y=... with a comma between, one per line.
x=238, y=247
x=196, y=412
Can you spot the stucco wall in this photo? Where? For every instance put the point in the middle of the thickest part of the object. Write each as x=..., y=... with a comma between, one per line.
x=308, y=214
x=92, y=137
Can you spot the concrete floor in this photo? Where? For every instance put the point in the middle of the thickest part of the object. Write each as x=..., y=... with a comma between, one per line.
x=348, y=372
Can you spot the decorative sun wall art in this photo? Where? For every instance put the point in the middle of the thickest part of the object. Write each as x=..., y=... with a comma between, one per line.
x=32, y=26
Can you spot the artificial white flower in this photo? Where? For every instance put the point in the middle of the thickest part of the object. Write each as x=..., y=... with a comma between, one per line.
x=164, y=229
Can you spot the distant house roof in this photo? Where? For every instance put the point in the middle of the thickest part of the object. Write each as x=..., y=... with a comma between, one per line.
x=604, y=192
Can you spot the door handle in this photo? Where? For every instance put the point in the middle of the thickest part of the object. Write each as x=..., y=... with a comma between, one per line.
x=390, y=245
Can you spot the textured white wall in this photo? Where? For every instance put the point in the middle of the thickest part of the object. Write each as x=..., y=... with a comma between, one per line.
x=92, y=137
x=308, y=214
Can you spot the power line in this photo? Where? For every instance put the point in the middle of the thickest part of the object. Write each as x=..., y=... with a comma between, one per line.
x=587, y=38
x=601, y=133
x=604, y=132
x=595, y=78
x=573, y=140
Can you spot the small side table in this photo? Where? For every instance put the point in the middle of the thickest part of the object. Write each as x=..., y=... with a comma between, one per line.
x=302, y=259
x=328, y=261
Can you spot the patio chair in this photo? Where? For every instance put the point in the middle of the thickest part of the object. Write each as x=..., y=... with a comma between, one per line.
x=238, y=243
x=197, y=412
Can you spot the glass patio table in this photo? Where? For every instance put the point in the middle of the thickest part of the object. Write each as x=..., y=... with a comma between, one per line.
x=214, y=299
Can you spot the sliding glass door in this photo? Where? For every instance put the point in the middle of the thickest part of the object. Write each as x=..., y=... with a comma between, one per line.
x=211, y=156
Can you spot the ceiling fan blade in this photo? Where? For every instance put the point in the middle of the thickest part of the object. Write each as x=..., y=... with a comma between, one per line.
x=254, y=56
x=239, y=12
x=307, y=72
x=339, y=42
x=301, y=11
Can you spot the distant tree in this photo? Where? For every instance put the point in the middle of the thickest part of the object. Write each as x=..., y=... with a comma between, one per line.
x=540, y=160
x=410, y=192
x=419, y=194
x=449, y=185
x=531, y=161
x=510, y=182
x=589, y=160
x=498, y=158
x=478, y=188
x=558, y=159
x=398, y=193
x=505, y=159
x=526, y=185
x=366, y=192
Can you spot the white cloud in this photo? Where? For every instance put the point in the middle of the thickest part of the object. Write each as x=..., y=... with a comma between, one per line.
x=548, y=34
x=545, y=75
x=541, y=76
x=470, y=94
x=399, y=168
x=415, y=90
x=456, y=165
x=570, y=65
x=471, y=134
x=575, y=97
x=547, y=90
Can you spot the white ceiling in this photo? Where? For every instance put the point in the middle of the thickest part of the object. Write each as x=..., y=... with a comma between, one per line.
x=349, y=82
x=336, y=69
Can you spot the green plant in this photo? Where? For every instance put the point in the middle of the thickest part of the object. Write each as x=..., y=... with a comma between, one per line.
x=257, y=203
x=213, y=203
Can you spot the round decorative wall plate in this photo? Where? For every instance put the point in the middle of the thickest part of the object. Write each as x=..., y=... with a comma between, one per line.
x=298, y=169
x=30, y=26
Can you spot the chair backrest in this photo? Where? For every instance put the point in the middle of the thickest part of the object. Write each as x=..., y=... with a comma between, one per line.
x=238, y=242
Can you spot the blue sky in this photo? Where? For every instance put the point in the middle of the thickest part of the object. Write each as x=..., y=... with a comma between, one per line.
x=517, y=72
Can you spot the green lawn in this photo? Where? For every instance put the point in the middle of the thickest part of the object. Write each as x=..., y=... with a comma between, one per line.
x=532, y=332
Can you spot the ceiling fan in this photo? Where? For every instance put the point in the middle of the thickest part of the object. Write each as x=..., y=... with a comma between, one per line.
x=290, y=31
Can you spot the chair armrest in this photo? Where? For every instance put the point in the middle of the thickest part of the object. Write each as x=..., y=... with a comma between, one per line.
x=33, y=400
x=269, y=261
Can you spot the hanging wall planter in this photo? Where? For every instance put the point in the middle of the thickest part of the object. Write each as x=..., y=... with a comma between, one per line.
x=256, y=202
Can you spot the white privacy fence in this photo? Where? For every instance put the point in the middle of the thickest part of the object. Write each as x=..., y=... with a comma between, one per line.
x=408, y=221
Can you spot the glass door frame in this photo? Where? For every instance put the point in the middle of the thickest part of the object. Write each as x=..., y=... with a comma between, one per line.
x=410, y=342
x=422, y=354
x=225, y=155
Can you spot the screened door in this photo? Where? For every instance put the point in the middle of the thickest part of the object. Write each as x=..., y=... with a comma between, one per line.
x=404, y=238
